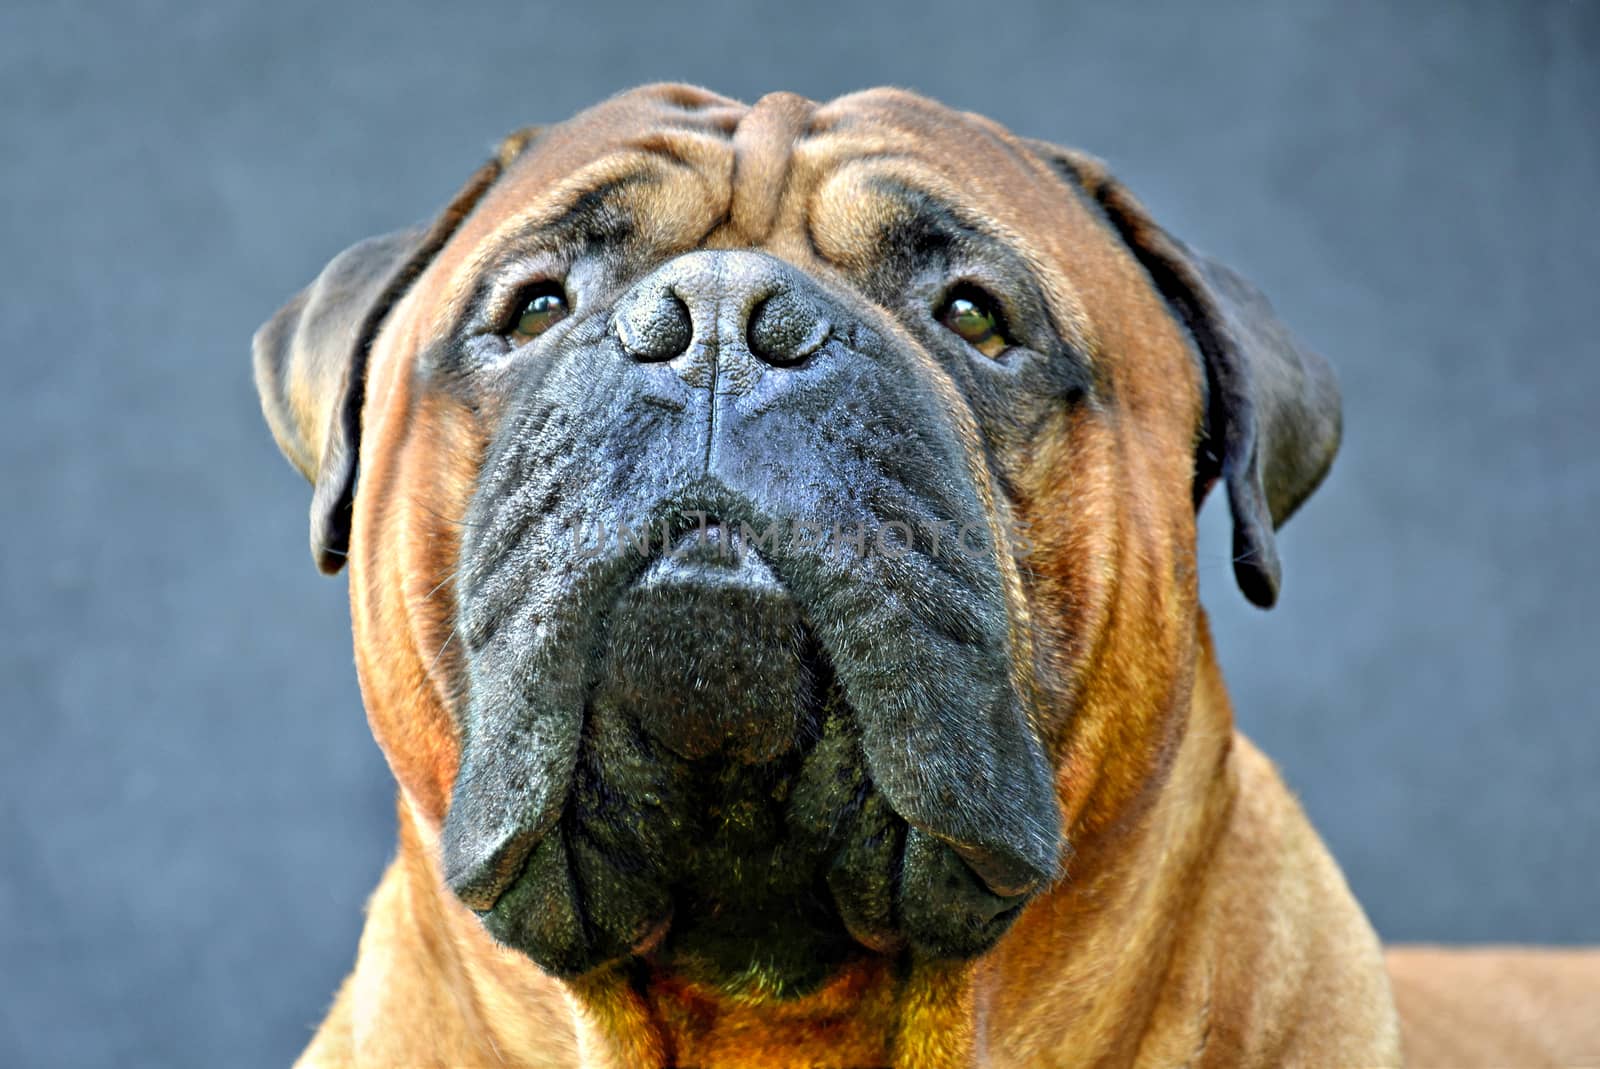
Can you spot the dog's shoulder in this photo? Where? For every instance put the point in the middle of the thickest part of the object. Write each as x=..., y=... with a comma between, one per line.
x=1492, y=1006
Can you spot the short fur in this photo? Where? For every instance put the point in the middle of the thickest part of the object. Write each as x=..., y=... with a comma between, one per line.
x=1197, y=918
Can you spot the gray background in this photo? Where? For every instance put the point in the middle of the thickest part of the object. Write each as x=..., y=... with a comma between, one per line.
x=191, y=809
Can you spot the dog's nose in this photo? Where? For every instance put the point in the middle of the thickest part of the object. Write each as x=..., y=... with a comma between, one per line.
x=723, y=304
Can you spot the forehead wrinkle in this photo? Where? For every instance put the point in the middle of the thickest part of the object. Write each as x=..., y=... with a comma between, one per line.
x=931, y=131
x=763, y=157
x=621, y=173
x=867, y=177
x=709, y=152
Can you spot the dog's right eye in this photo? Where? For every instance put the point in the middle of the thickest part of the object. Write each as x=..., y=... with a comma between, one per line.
x=539, y=307
x=975, y=316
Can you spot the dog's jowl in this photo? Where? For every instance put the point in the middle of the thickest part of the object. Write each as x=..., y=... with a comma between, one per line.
x=771, y=535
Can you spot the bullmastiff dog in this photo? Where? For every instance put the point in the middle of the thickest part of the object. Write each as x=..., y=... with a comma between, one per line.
x=771, y=535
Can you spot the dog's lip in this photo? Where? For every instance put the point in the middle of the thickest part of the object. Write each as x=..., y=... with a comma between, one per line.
x=709, y=556
x=481, y=888
x=1003, y=876
x=719, y=544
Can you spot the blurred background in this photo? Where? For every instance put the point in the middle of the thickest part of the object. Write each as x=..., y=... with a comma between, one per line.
x=192, y=811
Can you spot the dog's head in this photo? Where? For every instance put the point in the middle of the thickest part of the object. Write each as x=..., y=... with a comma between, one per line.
x=772, y=529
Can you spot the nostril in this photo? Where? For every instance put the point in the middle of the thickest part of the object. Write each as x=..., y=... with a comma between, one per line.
x=655, y=330
x=784, y=330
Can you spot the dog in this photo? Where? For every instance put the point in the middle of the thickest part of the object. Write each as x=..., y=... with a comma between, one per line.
x=771, y=535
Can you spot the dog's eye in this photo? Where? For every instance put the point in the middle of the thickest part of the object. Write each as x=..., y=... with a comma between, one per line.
x=974, y=315
x=540, y=307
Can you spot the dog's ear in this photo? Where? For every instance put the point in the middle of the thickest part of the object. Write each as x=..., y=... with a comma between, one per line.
x=311, y=357
x=1272, y=407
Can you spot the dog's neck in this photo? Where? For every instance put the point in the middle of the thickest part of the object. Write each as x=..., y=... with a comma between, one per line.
x=1103, y=942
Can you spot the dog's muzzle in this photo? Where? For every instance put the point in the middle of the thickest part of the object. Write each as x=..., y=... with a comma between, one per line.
x=741, y=678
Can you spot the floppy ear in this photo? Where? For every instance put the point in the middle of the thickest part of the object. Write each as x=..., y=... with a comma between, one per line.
x=1272, y=407
x=311, y=357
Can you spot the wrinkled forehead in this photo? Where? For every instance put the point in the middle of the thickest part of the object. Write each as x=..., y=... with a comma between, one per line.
x=688, y=168
x=620, y=154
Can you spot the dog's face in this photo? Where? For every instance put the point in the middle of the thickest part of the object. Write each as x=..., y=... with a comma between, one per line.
x=774, y=535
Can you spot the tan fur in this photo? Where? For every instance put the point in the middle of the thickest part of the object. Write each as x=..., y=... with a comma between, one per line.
x=1498, y=1006
x=1200, y=922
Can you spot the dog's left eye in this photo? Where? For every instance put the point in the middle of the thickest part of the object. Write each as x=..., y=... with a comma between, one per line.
x=975, y=316
x=540, y=307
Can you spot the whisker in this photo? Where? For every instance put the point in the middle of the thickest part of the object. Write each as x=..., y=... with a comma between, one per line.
x=447, y=640
x=436, y=514
x=440, y=584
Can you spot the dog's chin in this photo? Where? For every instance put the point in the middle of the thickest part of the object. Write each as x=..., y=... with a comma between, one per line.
x=721, y=821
